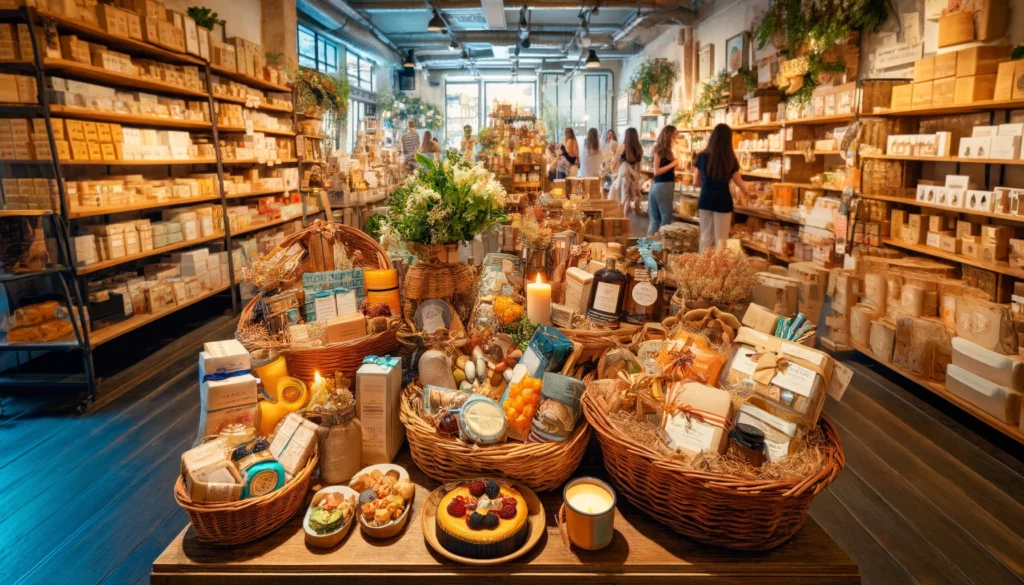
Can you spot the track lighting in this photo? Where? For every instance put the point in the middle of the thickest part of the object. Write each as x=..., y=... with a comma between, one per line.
x=454, y=45
x=592, y=60
x=410, y=60
x=436, y=23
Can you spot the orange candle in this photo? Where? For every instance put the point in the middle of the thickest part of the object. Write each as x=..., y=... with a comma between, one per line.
x=382, y=287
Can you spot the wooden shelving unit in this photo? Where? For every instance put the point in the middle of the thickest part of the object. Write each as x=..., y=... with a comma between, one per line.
x=946, y=159
x=132, y=119
x=101, y=336
x=912, y=201
x=80, y=212
x=103, y=76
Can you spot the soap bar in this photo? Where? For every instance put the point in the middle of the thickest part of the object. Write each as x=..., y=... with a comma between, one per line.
x=229, y=356
x=1004, y=370
x=990, y=325
x=346, y=327
x=209, y=475
x=688, y=433
x=294, y=443
x=999, y=401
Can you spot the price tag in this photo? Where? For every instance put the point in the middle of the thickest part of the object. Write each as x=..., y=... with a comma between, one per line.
x=841, y=376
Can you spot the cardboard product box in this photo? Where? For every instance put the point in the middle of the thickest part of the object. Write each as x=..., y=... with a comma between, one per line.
x=902, y=97
x=913, y=235
x=924, y=70
x=760, y=319
x=944, y=65
x=990, y=325
x=1016, y=255
x=294, y=443
x=995, y=234
x=941, y=223
x=994, y=252
x=922, y=94
x=346, y=327
x=944, y=91
x=934, y=239
x=1006, y=78
x=758, y=105
x=949, y=243
x=975, y=147
x=956, y=28
x=777, y=293
x=112, y=19
x=975, y=88
x=971, y=249
x=378, y=394
x=980, y=200
x=1005, y=147
x=983, y=60
x=616, y=230
x=209, y=475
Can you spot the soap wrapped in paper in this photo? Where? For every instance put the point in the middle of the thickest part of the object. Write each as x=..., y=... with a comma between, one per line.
x=696, y=417
x=690, y=356
x=990, y=325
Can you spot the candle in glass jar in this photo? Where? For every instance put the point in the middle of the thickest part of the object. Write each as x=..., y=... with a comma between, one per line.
x=538, y=302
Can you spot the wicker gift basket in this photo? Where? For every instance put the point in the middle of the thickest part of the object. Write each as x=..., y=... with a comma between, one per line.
x=541, y=466
x=235, y=523
x=345, y=356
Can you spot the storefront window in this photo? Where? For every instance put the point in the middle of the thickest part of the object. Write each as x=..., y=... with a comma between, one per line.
x=462, y=107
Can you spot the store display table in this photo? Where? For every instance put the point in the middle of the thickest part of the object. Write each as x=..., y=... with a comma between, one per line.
x=642, y=552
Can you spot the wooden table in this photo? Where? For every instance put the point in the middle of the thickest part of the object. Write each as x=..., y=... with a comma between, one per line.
x=643, y=552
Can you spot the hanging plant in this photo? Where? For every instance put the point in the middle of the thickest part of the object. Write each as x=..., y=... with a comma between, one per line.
x=426, y=115
x=386, y=100
x=204, y=17
x=328, y=92
x=711, y=92
x=653, y=80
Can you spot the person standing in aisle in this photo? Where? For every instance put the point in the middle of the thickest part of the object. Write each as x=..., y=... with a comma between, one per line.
x=568, y=156
x=626, y=185
x=663, y=187
x=468, y=146
x=590, y=158
x=430, y=147
x=410, y=145
x=611, y=146
x=714, y=168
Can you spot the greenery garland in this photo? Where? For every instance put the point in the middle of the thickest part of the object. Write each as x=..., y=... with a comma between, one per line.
x=324, y=91
x=426, y=115
x=654, y=78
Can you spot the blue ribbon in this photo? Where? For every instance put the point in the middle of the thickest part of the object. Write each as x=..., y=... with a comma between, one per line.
x=382, y=361
x=647, y=249
x=222, y=374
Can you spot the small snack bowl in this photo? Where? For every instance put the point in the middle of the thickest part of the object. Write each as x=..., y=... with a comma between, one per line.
x=375, y=484
x=333, y=537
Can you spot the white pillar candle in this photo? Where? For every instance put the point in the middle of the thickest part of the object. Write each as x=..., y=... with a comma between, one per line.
x=538, y=302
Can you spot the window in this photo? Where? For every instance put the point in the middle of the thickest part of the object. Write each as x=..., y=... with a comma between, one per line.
x=316, y=52
x=359, y=70
x=356, y=113
x=581, y=102
x=523, y=93
x=461, y=108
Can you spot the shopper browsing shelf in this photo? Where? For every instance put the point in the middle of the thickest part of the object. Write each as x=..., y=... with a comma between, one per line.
x=659, y=206
x=714, y=168
x=590, y=159
x=568, y=155
x=626, y=171
x=551, y=158
x=468, y=146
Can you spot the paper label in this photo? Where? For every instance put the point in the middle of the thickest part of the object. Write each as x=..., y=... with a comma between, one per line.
x=776, y=450
x=644, y=294
x=372, y=389
x=433, y=318
x=742, y=362
x=325, y=308
x=689, y=434
x=263, y=482
x=841, y=376
x=796, y=379
x=606, y=298
x=801, y=352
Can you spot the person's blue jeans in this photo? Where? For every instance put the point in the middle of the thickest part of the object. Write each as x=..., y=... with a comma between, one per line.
x=659, y=206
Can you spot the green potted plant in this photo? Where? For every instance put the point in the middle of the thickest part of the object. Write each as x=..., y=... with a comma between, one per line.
x=653, y=81
x=322, y=92
x=208, y=19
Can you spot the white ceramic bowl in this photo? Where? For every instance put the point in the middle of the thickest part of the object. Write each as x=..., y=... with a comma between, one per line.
x=395, y=526
x=328, y=540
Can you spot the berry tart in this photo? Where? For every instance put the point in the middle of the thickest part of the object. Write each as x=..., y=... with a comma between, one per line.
x=482, y=520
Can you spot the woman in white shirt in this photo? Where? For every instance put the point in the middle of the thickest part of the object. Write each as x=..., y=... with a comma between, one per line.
x=590, y=158
x=611, y=146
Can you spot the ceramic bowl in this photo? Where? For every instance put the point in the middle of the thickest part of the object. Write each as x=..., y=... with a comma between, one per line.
x=330, y=539
x=395, y=526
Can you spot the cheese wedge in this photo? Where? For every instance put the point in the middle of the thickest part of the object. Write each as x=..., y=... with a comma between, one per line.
x=999, y=401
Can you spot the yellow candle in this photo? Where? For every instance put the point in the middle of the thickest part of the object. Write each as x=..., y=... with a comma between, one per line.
x=589, y=498
x=538, y=302
x=270, y=373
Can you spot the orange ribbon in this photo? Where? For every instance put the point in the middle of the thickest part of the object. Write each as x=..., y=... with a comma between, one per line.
x=701, y=415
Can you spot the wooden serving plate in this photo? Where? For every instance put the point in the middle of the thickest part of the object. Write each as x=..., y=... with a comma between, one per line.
x=428, y=524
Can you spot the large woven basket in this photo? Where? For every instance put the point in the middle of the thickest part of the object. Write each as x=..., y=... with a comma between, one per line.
x=541, y=466
x=595, y=342
x=234, y=523
x=712, y=508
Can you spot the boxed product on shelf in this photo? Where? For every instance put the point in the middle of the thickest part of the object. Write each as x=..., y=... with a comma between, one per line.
x=974, y=88
x=956, y=28
x=937, y=144
x=30, y=194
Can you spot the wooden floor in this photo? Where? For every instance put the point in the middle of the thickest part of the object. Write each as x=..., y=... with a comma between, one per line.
x=926, y=496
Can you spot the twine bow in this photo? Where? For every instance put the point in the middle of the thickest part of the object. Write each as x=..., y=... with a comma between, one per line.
x=387, y=361
x=578, y=253
x=700, y=415
x=767, y=364
x=223, y=374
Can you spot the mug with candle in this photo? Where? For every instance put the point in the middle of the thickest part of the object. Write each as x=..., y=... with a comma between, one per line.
x=589, y=512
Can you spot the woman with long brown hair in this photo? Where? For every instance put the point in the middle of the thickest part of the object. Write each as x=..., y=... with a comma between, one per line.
x=716, y=166
x=568, y=155
x=663, y=187
x=626, y=184
x=590, y=158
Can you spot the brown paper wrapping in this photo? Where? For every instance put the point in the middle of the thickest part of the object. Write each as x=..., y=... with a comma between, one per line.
x=931, y=349
x=949, y=291
x=901, y=347
x=894, y=293
x=860, y=323
x=875, y=286
x=912, y=301
x=883, y=339
x=990, y=325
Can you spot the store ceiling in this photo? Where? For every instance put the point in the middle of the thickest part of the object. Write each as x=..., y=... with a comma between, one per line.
x=488, y=32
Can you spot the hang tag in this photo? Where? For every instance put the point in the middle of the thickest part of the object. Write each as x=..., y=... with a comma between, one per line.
x=841, y=376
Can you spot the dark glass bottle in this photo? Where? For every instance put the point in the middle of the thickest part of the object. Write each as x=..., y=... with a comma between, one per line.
x=606, y=294
x=644, y=291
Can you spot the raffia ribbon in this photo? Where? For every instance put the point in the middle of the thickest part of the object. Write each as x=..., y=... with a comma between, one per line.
x=700, y=415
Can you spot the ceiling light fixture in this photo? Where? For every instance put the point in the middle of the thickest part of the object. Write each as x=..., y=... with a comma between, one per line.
x=592, y=60
x=454, y=45
x=410, y=60
x=526, y=43
x=436, y=23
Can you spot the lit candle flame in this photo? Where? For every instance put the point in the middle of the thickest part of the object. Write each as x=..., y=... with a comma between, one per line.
x=538, y=278
x=317, y=378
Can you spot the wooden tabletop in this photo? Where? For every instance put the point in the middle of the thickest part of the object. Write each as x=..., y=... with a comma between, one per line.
x=642, y=552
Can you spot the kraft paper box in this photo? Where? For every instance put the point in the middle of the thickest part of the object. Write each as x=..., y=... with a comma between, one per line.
x=209, y=475
x=777, y=293
x=687, y=433
x=989, y=325
x=760, y=319
x=1016, y=253
x=883, y=339
x=346, y=327
x=378, y=394
x=294, y=442
x=949, y=244
x=227, y=402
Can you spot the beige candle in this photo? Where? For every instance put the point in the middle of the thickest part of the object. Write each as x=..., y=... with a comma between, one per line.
x=538, y=302
x=589, y=512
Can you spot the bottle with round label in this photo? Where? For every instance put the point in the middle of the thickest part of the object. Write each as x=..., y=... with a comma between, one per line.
x=644, y=291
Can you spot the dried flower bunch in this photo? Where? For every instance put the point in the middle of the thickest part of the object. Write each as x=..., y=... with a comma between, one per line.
x=716, y=276
x=534, y=231
x=506, y=310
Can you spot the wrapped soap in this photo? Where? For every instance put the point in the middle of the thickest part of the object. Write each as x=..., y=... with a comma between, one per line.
x=987, y=324
x=559, y=409
x=436, y=399
x=690, y=356
x=346, y=327
x=901, y=345
x=875, y=290
x=883, y=339
x=696, y=417
x=435, y=368
x=1004, y=370
x=1001, y=402
x=227, y=391
x=210, y=476
x=930, y=349
x=378, y=398
x=860, y=323
x=294, y=443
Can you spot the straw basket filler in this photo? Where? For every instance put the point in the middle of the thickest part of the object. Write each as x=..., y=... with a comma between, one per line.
x=541, y=466
x=234, y=523
x=708, y=507
x=345, y=356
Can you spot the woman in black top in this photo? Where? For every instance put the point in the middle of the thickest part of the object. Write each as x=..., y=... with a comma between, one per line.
x=716, y=166
x=568, y=156
x=663, y=187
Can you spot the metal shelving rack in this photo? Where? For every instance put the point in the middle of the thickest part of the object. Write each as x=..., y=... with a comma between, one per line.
x=74, y=280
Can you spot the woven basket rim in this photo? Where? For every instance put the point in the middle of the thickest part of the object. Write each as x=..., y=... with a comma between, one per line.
x=833, y=460
x=181, y=496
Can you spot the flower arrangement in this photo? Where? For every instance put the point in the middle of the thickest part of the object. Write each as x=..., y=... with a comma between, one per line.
x=534, y=231
x=716, y=275
x=426, y=115
x=506, y=310
x=324, y=91
x=654, y=79
x=444, y=202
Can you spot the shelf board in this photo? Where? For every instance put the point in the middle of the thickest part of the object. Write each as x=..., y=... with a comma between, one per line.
x=910, y=201
x=940, y=389
x=142, y=255
x=101, y=336
x=815, y=152
x=20, y=110
x=262, y=130
x=250, y=81
x=21, y=65
x=11, y=277
x=760, y=151
x=41, y=346
x=139, y=163
x=812, y=186
x=980, y=106
x=837, y=119
x=1000, y=267
x=242, y=101
x=92, y=211
x=947, y=159
x=761, y=175
x=257, y=193
x=99, y=75
x=135, y=119
x=131, y=46
x=269, y=224
x=754, y=212
x=24, y=212
x=254, y=161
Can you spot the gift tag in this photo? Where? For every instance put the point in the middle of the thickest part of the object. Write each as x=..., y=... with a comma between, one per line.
x=841, y=376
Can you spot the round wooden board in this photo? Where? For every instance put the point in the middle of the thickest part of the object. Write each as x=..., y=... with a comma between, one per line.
x=428, y=524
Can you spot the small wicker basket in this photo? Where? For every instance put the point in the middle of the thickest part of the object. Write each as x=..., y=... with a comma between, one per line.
x=712, y=508
x=234, y=523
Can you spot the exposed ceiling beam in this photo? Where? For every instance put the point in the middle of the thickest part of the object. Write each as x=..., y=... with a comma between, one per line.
x=494, y=14
x=494, y=37
x=405, y=5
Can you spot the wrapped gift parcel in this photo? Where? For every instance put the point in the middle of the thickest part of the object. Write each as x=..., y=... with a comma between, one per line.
x=998, y=401
x=378, y=394
x=227, y=390
x=294, y=443
x=883, y=339
x=987, y=324
x=1004, y=370
x=691, y=357
x=760, y=319
x=559, y=409
x=930, y=348
x=696, y=417
x=209, y=475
